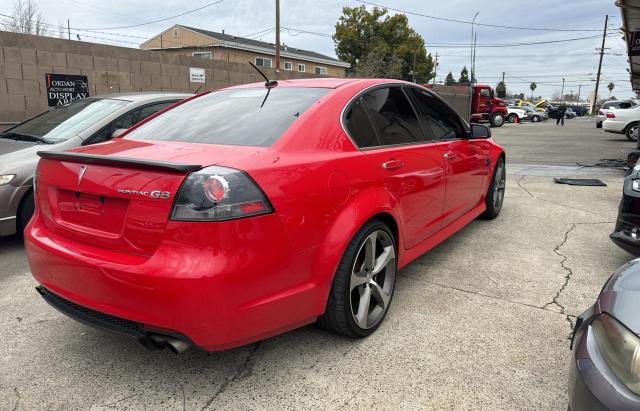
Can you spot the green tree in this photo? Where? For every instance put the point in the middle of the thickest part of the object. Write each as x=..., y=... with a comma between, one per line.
x=450, y=81
x=533, y=86
x=501, y=90
x=464, y=76
x=359, y=32
x=610, y=86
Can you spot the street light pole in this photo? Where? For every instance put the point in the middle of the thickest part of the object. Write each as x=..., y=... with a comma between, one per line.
x=277, y=38
x=562, y=92
x=473, y=23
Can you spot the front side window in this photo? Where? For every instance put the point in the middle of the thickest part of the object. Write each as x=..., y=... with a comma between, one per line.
x=262, y=62
x=485, y=93
x=321, y=70
x=247, y=117
x=61, y=123
x=441, y=121
x=393, y=117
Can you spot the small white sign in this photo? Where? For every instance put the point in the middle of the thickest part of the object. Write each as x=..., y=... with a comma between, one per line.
x=196, y=75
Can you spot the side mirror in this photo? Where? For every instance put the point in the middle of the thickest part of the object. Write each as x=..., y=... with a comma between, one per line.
x=479, y=131
x=117, y=132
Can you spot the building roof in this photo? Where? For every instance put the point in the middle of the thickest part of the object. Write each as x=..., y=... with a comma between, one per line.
x=232, y=41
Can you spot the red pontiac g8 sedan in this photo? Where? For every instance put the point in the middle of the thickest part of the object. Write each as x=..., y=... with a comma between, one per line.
x=246, y=212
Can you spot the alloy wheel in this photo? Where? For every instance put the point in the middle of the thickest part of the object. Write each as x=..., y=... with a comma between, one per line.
x=632, y=133
x=373, y=277
x=499, y=184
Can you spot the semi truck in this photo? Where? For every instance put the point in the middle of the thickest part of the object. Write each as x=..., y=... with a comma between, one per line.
x=477, y=103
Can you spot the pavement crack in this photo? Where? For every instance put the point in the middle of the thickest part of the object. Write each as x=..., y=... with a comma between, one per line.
x=15, y=390
x=243, y=371
x=568, y=271
x=524, y=188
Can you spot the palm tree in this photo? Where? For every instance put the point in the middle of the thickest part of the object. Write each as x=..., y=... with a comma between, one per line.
x=533, y=87
x=610, y=86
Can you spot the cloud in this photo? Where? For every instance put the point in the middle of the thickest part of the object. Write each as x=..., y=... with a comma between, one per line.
x=545, y=64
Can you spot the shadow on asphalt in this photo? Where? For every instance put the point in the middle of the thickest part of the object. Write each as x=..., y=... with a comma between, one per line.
x=13, y=242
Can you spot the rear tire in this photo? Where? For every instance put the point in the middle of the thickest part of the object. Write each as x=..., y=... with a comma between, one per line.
x=495, y=192
x=25, y=212
x=497, y=120
x=632, y=132
x=363, y=285
x=535, y=119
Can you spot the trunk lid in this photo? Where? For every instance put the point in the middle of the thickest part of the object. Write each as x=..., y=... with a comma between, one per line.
x=118, y=196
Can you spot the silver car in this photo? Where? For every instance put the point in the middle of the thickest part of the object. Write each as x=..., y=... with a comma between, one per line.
x=87, y=121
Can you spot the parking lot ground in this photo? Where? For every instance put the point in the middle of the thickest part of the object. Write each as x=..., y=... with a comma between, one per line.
x=480, y=322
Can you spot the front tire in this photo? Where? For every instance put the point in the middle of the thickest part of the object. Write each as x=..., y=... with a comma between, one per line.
x=511, y=118
x=632, y=132
x=495, y=192
x=497, y=120
x=363, y=286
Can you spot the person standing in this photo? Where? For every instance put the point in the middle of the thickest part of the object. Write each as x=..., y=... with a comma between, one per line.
x=562, y=111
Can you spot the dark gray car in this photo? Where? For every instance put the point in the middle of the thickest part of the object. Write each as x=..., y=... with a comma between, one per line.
x=88, y=121
x=605, y=365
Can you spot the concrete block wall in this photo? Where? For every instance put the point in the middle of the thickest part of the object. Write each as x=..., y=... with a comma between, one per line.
x=25, y=59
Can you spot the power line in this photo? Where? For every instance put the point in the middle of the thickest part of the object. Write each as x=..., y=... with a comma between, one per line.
x=477, y=24
x=156, y=21
x=464, y=45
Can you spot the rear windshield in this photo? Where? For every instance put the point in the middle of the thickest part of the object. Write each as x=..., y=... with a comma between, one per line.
x=64, y=122
x=247, y=117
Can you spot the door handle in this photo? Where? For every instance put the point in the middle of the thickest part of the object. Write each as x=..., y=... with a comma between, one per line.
x=450, y=155
x=392, y=164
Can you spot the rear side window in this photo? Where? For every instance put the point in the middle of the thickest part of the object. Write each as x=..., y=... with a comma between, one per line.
x=248, y=117
x=393, y=117
x=359, y=126
x=610, y=105
x=440, y=120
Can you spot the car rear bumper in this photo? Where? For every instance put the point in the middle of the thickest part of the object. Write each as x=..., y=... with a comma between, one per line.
x=219, y=285
x=592, y=385
x=613, y=126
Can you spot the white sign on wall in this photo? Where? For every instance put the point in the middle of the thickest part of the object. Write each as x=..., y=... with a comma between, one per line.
x=196, y=75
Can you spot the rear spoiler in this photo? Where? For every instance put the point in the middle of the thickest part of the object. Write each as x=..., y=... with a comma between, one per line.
x=124, y=162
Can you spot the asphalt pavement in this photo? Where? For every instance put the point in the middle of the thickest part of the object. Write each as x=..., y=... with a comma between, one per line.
x=481, y=322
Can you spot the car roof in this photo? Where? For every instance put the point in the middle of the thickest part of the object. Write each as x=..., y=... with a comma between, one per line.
x=140, y=96
x=324, y=82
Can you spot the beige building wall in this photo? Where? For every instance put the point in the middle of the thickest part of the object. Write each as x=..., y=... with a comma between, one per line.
x=25, y=59
x=180, y=41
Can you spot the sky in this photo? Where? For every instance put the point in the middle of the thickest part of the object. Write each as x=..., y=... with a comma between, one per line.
x=547, y=64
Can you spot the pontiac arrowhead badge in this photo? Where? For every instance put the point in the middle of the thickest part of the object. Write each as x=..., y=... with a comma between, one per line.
x=83, y=169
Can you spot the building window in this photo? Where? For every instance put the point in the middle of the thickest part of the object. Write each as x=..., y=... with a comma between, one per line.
x=176, y=33
x=301, y=67
x=288, y=65
x=262, y=62
x=321, y=70
x=202, y=54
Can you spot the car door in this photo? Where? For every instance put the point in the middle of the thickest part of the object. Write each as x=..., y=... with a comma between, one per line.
x=401, y=157
x=466, y=161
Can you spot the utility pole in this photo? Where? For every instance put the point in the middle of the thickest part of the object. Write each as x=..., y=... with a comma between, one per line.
x=68, y=29
x=579, y=89
x=277, y=38
x=435, y=70
x=503, y=73
x=604, y=37
x=562, y=92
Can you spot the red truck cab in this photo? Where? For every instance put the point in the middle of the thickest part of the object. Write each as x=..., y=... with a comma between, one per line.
x=486, y=107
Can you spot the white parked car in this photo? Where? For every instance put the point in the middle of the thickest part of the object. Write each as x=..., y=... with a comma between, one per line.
x=611, y=105
x=515, y=113
x=623, y=121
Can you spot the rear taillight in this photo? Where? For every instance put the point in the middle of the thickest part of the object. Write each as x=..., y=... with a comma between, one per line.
x=611, y=115
x=218, y=194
